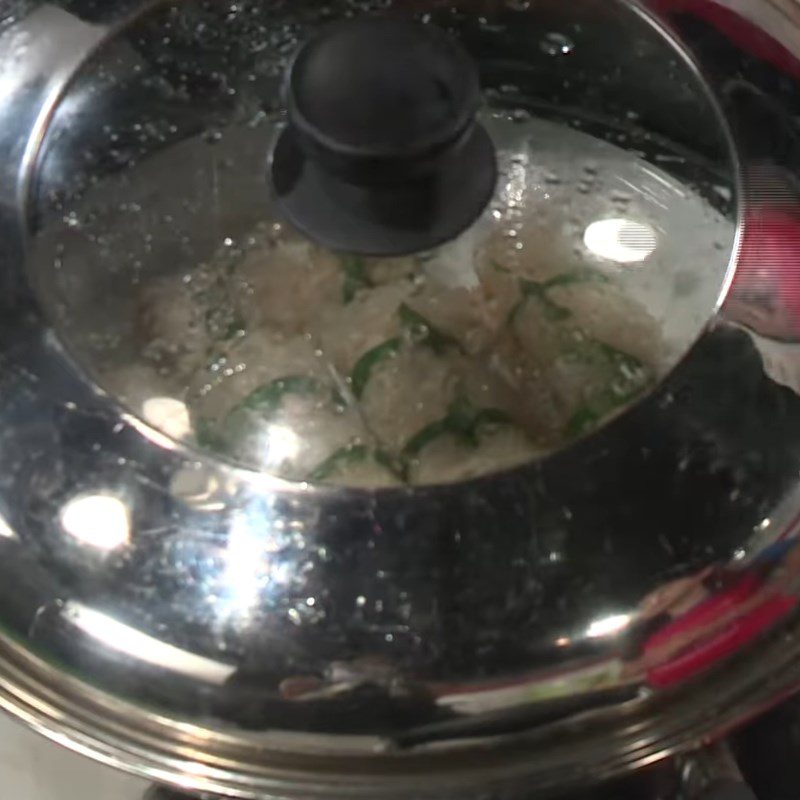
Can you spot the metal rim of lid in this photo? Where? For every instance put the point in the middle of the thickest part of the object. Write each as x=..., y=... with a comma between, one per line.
x=192, y=758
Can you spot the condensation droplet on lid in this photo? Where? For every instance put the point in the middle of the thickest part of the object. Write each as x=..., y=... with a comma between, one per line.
x=212, y=137
x=520, y=115
x=518, y=5
x=724, y=192
x=294, y=616
x=100, y=519
x=556, y=44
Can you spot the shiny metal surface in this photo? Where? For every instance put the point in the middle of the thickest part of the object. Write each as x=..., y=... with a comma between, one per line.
x=225, y=631
x=37, y=769
x=713, y=772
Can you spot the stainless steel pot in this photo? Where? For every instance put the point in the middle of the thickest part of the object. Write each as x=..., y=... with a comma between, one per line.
x=202, y=622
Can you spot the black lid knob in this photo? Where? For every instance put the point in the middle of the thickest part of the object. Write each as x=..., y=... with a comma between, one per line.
x=382, y=154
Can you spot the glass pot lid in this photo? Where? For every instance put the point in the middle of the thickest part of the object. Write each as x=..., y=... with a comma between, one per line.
x=595, y=253
x=405, y=451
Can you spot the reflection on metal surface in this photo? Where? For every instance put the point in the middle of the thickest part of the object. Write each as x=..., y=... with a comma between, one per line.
x=713, y=774
x=622, y=240
x=584, y=681
x=608, y=626
x=6, y=531
x=37, y=58
x=721, y=612
x=254, y=570
x=200, y=487
x=98, y=519
x=141, y=647
x=169, y=415
x=280, y=444
x=155, y=436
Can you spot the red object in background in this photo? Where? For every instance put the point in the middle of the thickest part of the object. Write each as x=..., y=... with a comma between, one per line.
x=706, y=613
x=768, y=270
x=725, y=643
x=739, y=30
x=766, y=291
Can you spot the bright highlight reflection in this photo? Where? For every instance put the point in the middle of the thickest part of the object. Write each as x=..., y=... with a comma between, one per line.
x=142, y=647
x=100, y=520
x=280, y=444
x=252, y=561
x=606, y=626
x=6, y=532
x=620, y=240
x=168, y=415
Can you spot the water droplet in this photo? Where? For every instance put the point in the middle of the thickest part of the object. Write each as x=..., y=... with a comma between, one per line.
x=556, y=44
x=724, y=192
x=520, y=115
x=518, y=5
x=212, y=136
x=294, y=616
